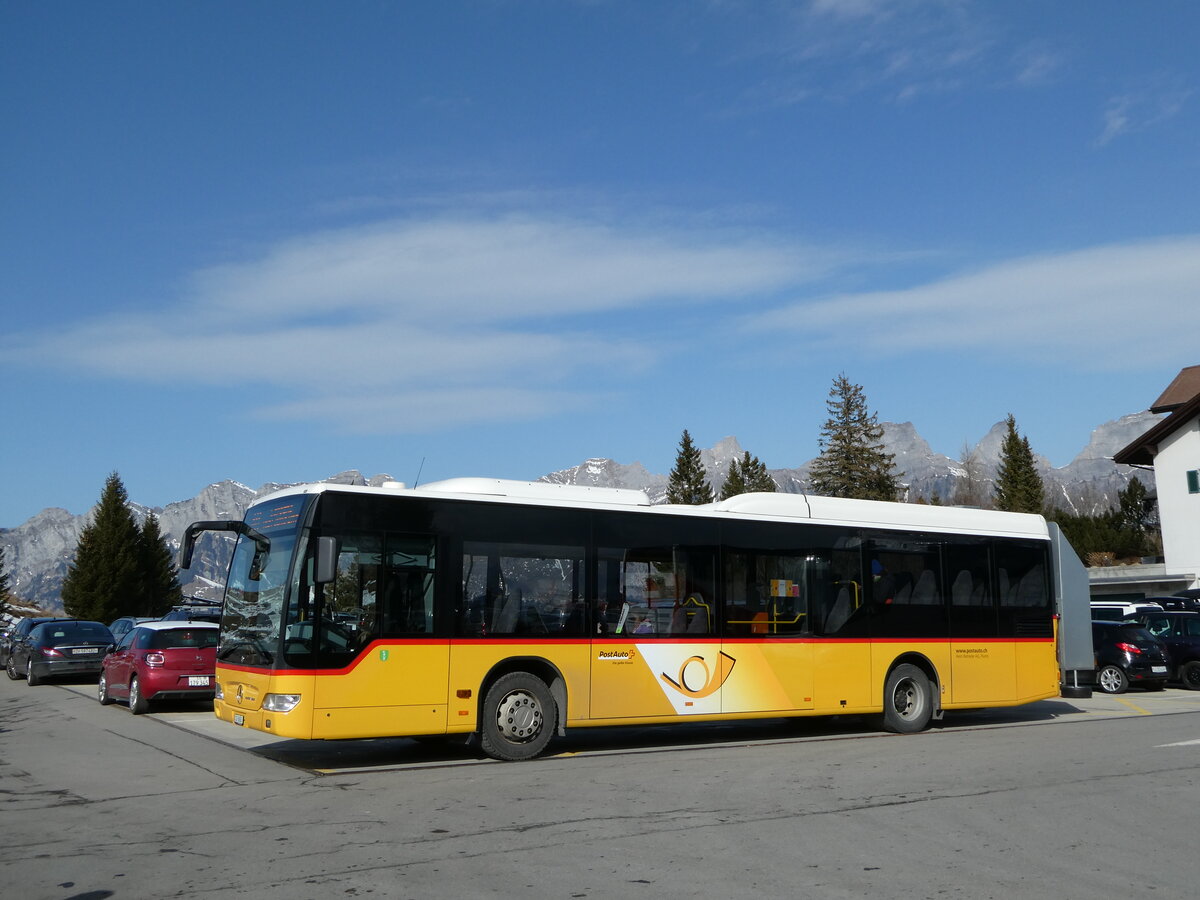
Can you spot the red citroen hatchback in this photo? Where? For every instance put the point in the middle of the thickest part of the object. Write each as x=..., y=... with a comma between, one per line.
x=161, y=661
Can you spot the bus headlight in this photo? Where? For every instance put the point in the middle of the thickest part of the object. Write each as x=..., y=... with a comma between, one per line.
x=280, y=702
x=220, y=692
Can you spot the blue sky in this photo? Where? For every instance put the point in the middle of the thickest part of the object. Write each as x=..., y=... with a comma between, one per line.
x=274, y=241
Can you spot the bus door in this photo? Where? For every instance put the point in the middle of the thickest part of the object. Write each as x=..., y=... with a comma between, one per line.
x=654, y=648
x=376, y=626
x=982, y=669
x=769, y=599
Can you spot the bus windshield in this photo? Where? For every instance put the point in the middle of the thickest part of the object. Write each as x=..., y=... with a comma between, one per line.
x=255, y=590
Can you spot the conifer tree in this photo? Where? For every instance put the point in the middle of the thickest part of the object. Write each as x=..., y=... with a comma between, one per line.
x=853, y=462
x=5, y=596
x=734, y=482
x=106, y=580
x=745, y=476
x=756, y=476
x=1019, y=486
x=160, y=577
x=1133, y=507
x=687, y=483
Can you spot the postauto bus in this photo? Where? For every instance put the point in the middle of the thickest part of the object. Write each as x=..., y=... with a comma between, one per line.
x=512, y=611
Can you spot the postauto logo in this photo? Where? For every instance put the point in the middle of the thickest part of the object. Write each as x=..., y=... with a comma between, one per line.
x=696, y=680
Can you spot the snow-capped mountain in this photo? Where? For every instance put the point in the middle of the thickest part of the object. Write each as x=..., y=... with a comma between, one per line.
x=39, y=551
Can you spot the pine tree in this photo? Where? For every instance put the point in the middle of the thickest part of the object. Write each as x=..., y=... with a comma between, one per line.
x=1019, y=487
x=687, y=483
x=853, y=462
x=161, y=588
x=747, y=475
x=756, y=476
x=734, y=482
x=106, y=579
x=1133, y=506
x=5, y=595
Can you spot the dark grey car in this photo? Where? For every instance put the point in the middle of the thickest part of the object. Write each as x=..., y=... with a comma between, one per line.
x=15, y=634
x=58, y=648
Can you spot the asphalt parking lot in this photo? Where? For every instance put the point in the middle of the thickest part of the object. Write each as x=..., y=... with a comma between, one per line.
x=1011, y=804
x=338, y=757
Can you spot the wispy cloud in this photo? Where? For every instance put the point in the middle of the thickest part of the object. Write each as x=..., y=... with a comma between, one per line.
x=1142, y=107
x=903, y=49
x=1110, y=307
x=432, y=322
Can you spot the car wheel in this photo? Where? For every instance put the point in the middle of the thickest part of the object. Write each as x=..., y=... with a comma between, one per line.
x=102, y=690
x=137, y=703
x=518, y=717
x=1189, y=674
x=11, y=668
x=1112, y=680
x=31, y=676
x=907, y=700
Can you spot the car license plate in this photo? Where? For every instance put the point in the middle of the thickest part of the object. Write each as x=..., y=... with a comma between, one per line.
x=85, y=651
x=1159, y=670
x=197, y=681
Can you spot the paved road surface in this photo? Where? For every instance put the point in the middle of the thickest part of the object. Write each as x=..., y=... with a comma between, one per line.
x=1070, y=799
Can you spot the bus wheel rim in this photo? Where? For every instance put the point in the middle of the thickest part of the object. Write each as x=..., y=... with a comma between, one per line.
x=904, y=700
x=519, y=717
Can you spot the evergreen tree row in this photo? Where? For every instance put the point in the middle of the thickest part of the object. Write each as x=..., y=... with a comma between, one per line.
x=689, y=485
x=120, y=569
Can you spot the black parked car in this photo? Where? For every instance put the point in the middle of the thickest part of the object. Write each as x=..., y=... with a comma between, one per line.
x=59, y=647
x=1127, y=654
x=16, y=633
x=1180, y=632
x=1190, y=604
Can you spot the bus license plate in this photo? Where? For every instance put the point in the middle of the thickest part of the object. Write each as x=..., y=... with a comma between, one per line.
x=1159, y=670
x=197, y=681
x=239, y=719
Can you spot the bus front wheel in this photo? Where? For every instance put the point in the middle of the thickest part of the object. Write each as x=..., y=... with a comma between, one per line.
x=518, y=717
x=907, y=700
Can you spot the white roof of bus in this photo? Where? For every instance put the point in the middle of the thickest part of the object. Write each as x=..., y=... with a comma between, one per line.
x=758, y=506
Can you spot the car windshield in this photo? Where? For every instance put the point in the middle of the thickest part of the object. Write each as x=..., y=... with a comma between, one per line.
x=75, y=632
x=254, y=600
x=200, y=638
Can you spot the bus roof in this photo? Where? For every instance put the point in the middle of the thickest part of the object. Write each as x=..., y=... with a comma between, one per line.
x=755, y=506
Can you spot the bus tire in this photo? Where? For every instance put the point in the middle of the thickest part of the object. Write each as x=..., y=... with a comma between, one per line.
x=907, y=700
x=518, y=717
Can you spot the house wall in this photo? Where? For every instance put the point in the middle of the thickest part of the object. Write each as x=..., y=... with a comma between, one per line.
x=1179, y=511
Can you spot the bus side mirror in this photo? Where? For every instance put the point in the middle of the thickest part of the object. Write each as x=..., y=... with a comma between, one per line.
x=326, y=561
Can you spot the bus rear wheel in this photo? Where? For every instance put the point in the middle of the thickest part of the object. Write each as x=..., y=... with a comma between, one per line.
x=907, y=700
x=518, y=717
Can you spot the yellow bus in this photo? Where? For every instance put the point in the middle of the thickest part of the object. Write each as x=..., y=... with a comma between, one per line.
x=512, y=611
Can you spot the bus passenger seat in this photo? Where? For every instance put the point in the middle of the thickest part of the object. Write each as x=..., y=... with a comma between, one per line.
x=840, y=613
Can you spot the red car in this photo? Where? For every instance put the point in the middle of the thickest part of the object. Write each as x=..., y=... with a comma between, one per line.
x=160, y=661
